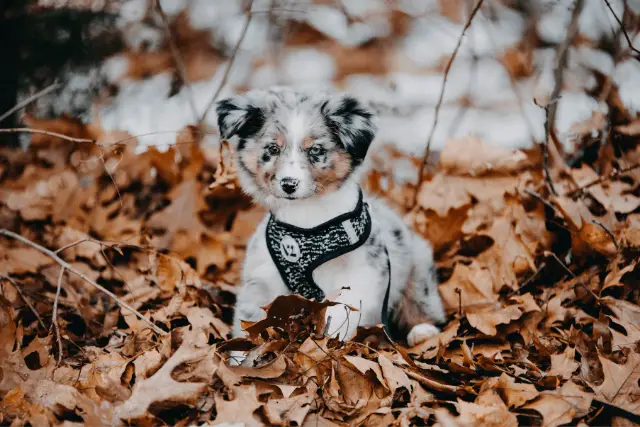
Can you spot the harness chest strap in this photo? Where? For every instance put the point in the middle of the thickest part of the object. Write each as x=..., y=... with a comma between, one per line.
x=297, y=252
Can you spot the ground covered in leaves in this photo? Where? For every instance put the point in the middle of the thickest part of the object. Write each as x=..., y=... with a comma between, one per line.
x=541, y=290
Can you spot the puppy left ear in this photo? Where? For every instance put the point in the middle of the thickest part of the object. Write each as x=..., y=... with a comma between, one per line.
x=238, y=116
x=351, y=124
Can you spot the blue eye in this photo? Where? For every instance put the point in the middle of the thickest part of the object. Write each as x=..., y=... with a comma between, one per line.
x=317, y=150
x=273, y=149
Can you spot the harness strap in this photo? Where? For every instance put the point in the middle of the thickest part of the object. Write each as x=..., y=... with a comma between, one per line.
x=297, y=251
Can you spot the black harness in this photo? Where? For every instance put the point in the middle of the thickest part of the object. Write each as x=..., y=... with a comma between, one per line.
x=297, y=251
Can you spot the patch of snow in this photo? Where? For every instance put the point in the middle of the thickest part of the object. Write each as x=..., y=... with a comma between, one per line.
x=334, y=23
x=592, y=58
x=74, y=96
x=264, y=76
x=418, y=8
x=596, y=21
x=256, y=39
x=307, y=65
x=627, y=75
x=574, y=108
x=208, y=15
x=491, y=35
x=142, y=37
x=172, y=7
x=552, y=25
x=132, y=11
x=365, y=8
x=114, y=68
x=430, y=38
x=488, y=81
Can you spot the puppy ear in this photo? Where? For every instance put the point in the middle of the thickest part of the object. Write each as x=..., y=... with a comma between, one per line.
x=351, y=124
x=239, y=116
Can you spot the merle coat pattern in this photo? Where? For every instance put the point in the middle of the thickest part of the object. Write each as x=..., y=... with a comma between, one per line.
x=301, y=156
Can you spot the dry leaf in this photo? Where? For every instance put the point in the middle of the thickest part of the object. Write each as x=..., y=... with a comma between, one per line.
x=472, y=156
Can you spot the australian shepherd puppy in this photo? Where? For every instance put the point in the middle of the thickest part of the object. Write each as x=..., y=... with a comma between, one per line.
x=301, y=156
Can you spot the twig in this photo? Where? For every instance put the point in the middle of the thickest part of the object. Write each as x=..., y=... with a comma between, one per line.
x=45, y=132
x=541, y=199
x=624, y=30
x=512, y=80
x=29, y=100
x=562, y=58
x=24, y=298
x=69, y=267
x=54, y=317
x=225, y=76
x=571, y=273
x=602, y=179
x=427, y=150
x=528, y=281
x=609, y=232
x=177, y=58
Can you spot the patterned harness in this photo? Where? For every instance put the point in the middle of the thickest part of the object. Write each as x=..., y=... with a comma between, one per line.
x=297, y=251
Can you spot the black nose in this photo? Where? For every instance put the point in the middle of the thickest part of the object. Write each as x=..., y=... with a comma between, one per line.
x=289, y=185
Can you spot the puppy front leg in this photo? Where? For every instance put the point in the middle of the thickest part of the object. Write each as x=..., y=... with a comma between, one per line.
x=255, y=293
x=364, y=294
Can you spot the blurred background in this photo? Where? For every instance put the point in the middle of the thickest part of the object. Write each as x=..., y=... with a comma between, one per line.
x=150, y=68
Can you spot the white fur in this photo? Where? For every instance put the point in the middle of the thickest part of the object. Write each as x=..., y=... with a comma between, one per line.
x=262, y=282
x=364, y=272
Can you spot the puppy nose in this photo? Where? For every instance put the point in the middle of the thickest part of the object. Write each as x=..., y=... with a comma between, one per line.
x=289, y=185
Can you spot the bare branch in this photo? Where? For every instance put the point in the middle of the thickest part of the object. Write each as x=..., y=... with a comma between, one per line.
x=29, y=100
x=54, y=317
x=427, y=151
x=609, y=232
x=71, y=269
x=623, y=29
x=24, y=298
x=177, y=58
x=223, y=82
x=602, y=179
x=562, y=58
x=45, y=132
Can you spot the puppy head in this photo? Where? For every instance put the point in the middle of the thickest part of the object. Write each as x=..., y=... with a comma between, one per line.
x=293, y=146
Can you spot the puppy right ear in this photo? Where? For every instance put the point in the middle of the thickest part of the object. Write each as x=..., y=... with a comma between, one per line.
x=238, y=116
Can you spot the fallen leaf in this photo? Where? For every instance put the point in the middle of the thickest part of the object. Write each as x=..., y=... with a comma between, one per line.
x=563, y=405
x=516, y=394
x=474, y=157
x=620, y=387
x=564, y=364
x=161, y=387
x=239, y=411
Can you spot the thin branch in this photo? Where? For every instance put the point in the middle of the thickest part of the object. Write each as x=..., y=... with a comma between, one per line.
x=609, y=232
x=562, y=59
x=571, y=273
x=623, y=29
x=46, y=132
x=54, y=317
x=29, y=100
x=69, y=267
x=24, y=298
x=427, y=151
x=177, y=58
x=602, y=179
x=542, y=200
x=223, y=82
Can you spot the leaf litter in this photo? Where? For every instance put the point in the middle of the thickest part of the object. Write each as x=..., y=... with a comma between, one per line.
x=543, y=315
x=541, y=291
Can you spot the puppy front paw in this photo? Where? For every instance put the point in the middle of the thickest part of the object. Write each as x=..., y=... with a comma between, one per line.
x=340, y=322
x=421, y=333
x=236, y=358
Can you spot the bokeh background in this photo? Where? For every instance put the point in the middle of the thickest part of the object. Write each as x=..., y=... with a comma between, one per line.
x=150, y=68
